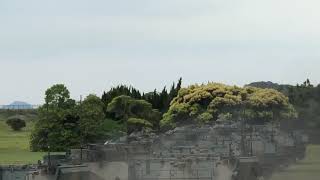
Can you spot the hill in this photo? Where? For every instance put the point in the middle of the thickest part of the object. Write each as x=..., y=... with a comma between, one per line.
x=18, y=105
x=284, y=88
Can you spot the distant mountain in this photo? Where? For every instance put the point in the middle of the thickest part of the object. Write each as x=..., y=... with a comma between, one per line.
x=268, y=84
x=18, y=105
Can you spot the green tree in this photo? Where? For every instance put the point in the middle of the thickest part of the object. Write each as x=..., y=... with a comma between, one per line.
x=57, y=126
x=158, y=100
x=91, y=119
x=16, y=124
x=203, y=103
x=136, y=114
x=268, y=105
x=59, y=96
x=306, y=100
x=119, y=108
x=130, y=91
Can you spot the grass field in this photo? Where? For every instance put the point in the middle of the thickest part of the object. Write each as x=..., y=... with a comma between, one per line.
x=307, y=169
x=14, y=146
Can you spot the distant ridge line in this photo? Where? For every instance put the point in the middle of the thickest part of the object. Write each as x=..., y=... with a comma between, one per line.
x=19, y=107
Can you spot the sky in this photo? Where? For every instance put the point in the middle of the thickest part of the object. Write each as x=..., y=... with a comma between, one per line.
x=93, y=45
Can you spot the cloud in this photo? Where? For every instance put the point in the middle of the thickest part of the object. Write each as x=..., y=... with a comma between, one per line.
x=107, y=7
x=92, y=45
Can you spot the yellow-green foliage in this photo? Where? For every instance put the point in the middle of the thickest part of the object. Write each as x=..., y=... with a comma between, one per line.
x=138, y=121
x=203, y=103
x=205, y=117
x=267, y=98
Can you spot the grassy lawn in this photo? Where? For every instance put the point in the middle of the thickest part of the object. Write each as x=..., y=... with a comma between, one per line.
x=14, y=146
x=308, y=169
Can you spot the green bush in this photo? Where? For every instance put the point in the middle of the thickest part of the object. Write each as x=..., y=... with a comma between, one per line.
x=16, y=123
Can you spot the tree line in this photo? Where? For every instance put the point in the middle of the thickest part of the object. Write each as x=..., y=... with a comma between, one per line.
x=158, y=100
x=65, y=123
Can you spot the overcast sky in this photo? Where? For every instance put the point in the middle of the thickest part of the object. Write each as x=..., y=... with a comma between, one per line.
x=92, y=45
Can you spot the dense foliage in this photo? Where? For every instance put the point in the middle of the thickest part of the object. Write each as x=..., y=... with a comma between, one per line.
x=91, y=119
x=57, y=125
x=204, y=103
x=16, y=124
x=304, y=97
x=63, y=123
x=136, y=114
x=108, y=96
x=158, y=100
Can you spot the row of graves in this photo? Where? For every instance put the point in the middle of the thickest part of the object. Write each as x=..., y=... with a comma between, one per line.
x=225, y=151
x=221, y=151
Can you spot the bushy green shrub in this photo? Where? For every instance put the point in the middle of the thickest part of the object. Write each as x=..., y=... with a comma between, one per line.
x=16, y=123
